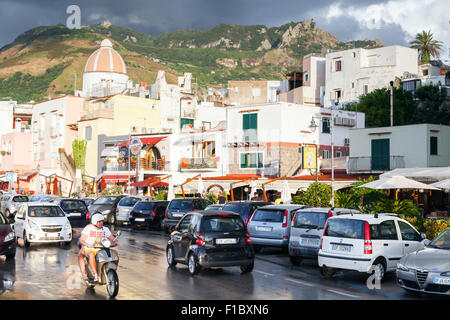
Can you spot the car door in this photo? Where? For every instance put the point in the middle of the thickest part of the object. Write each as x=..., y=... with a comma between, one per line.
x=387, y=242
x=177, y=236
x=19, y=221
x=411, y=238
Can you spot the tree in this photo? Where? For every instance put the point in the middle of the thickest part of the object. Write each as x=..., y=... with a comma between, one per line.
x=427, y=46
x=432, y=105
x=318, y=195
x=79, y=153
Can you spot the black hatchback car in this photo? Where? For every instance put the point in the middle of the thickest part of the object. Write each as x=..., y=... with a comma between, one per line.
x=148, y=214
x=7, y=238
x=244, y=208
x=177, y=208
x=75, y=210
x=208, y=239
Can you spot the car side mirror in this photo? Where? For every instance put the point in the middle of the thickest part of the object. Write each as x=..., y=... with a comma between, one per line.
x=426, y=242
x=423, y=236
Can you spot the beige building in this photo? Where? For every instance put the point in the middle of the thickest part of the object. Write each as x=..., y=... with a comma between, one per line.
x=253, y=92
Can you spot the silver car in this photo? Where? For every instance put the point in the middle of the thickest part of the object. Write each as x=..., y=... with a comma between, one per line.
x=124, y=208
x=427, y=270
x=10, y=204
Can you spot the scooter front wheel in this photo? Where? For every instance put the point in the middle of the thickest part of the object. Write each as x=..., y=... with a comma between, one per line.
x=112, y=283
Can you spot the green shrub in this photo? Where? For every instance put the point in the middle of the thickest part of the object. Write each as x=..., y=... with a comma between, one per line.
x=211, y=196
x=318, y=194
x=435, y=227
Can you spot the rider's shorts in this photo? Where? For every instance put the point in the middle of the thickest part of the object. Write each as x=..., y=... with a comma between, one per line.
x=88, y=250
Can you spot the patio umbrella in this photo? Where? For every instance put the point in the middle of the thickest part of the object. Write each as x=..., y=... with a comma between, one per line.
x=397, y=182
x=200, y=187
x=444, y=184
x=170, y=193
x=286, y=193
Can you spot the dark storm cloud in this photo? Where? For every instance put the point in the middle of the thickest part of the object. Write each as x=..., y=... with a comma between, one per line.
x=157, y=16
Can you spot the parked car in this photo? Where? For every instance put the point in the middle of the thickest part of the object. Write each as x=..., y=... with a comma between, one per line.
x=269, y=226
x=427, y=270
x=207, y=239
x=89, y=201
x=10, y=203
x=7, y=238
x=244, y=208
x=177, y=208
x=214, y=207
x=124, y=207
x=148, y=213
x=307, y=229
x=360, y=241
x=75, y=210
x=43, y=198
x=42, y=222
x=107, y=205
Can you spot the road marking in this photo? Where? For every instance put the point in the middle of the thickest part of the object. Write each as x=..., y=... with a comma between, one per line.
x=344, y=294
x=300, y=282
x=264, y=273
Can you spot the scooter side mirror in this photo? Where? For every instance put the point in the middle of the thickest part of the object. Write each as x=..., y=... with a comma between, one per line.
x=118, y=233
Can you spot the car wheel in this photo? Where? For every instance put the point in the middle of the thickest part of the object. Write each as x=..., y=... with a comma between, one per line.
x=25, y=240
x=247, y=268
x=380, y=269
x=193, y=266
x=170, y=255
x=295, y=260
x=327, y=272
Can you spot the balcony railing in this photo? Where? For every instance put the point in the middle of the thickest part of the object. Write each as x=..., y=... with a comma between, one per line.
x=145, y=165
x=368, y=164
x=199, y=163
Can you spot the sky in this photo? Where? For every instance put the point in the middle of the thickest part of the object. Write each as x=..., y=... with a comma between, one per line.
x=393, y=22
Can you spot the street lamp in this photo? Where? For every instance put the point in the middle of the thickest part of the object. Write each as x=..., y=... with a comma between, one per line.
x=336, y=103
x=313, y=126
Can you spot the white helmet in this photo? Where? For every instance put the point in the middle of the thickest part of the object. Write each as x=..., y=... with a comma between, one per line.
x=96, y=218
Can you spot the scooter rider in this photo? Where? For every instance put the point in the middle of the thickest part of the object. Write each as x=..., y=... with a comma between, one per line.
x=91, y=235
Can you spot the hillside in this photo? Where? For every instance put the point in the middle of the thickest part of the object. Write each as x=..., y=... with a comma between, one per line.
x=48, y=60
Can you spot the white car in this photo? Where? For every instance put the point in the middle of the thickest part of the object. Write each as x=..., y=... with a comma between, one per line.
x=42, y=222
x=360, y=241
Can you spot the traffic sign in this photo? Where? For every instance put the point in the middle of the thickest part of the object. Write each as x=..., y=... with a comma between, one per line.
x=135, y=146
x=10, y=176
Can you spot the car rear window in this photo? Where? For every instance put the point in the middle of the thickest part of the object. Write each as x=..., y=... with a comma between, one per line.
x=183, y=205
x=128, y=202
x=268, y=215
x=105, y=200
x=73, y=205
x=143, y=205
x=345, y=228
x=20, y=199
x=222, y=224
x=237, y=208
x=45, y=212
x=313, y=219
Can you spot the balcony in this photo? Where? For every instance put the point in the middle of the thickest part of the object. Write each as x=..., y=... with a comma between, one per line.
x=145, y=165
x=374, y=164
x=199, y=163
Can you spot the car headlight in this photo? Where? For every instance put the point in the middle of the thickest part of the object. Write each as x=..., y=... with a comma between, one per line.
x=33, y=225
x=106, y=212
x=68, y=226
x=402, y=267
x=445, y=274
x=10, y=236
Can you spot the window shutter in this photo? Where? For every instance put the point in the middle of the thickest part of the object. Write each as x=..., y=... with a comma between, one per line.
x=433, y=145
x=254, y=121
x=244, y=160
x=245, y=121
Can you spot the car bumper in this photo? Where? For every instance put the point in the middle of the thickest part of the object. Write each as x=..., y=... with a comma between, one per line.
x=270, y=242
x=408, y=280
x=344, y=262
x=44, y=237
x=305, y=252
x=208, y=261
x=123, y=219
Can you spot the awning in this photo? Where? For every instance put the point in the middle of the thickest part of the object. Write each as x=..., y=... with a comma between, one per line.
x=115, y=178
x=109, y=152
x=145, y=141
x=147, y=182
x=28, y=175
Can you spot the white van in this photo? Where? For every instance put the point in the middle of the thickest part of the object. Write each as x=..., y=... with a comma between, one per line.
x=42, y=222
x=360, y=241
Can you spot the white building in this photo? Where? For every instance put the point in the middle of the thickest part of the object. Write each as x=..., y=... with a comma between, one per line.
x=6, y=116
x=389, y=148
x=355, y=72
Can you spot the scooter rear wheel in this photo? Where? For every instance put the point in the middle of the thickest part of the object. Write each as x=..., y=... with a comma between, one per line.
x=112, y=283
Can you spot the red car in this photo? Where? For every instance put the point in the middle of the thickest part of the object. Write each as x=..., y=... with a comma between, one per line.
x=7, y=238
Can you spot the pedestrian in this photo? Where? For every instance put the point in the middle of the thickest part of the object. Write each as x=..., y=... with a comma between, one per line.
x=278, y=198
x=221, y=199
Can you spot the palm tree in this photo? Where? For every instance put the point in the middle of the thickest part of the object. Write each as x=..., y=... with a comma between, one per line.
x=427, y=46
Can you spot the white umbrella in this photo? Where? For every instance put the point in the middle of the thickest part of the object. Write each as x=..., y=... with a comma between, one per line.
x=286, y=193
x=444, y=184
x=170, y=193
x=200, y=187
x=397, y=182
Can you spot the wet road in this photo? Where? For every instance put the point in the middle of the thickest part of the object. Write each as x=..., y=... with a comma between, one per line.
x=51, y=272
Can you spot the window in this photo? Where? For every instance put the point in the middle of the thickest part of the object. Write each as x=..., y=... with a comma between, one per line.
x=184, y=224
x=256, y=92
x=433, y=146
x=88, y=133
x=338, y=65
x=250, y=126
x=206, y=125
x=354, y=54
x=353, y=85
x=306, y=76
x=338, y=154
x=366, y=89
x=384, y=231
x=337, y=94
x=326, y=154
x=252, y=160
x=425, y=72
x=408, y=233
x=345, y=228
x=325, y=125
x=184, y=121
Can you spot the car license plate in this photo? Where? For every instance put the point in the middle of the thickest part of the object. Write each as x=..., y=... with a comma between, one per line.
x=139, y=219
x=75, y=214
x=177, y=214
x=52, y=236
x=226, y=241
x=441, y=280
x=310, y=242
x=265, y=229
x=340, y=247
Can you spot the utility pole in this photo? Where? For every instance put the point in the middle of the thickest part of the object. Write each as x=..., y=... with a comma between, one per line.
x=392, y=103
x=336, y=102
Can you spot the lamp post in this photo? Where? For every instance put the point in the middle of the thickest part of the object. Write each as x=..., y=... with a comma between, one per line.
x=313, y=126
x=336, y=103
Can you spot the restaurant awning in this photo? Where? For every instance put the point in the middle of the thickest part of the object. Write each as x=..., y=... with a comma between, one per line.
x=114, y=178
x=147, y=182
x=145, y=141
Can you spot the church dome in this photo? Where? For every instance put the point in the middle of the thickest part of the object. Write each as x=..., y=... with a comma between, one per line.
x=105, y=59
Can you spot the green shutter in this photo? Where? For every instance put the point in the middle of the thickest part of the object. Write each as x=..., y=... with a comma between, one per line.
x=325, y=125
x=433, y=145
x=253, y=121
x=244, y=160
x=245, y=121
x=260, y=160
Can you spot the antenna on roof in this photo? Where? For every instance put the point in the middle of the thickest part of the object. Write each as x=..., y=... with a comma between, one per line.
x=376, y=215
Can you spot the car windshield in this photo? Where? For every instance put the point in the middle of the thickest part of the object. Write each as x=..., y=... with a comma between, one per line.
x=73, y=205
x=442, y=241
x=143, y=205
x=105, y=200
x=269, y=215
x=233, y=207
x=345, y=228
x=310, y=219
x=183, y=205
x=222, y=224
x=45, y=212
x=128, y=202
x=20, y=199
